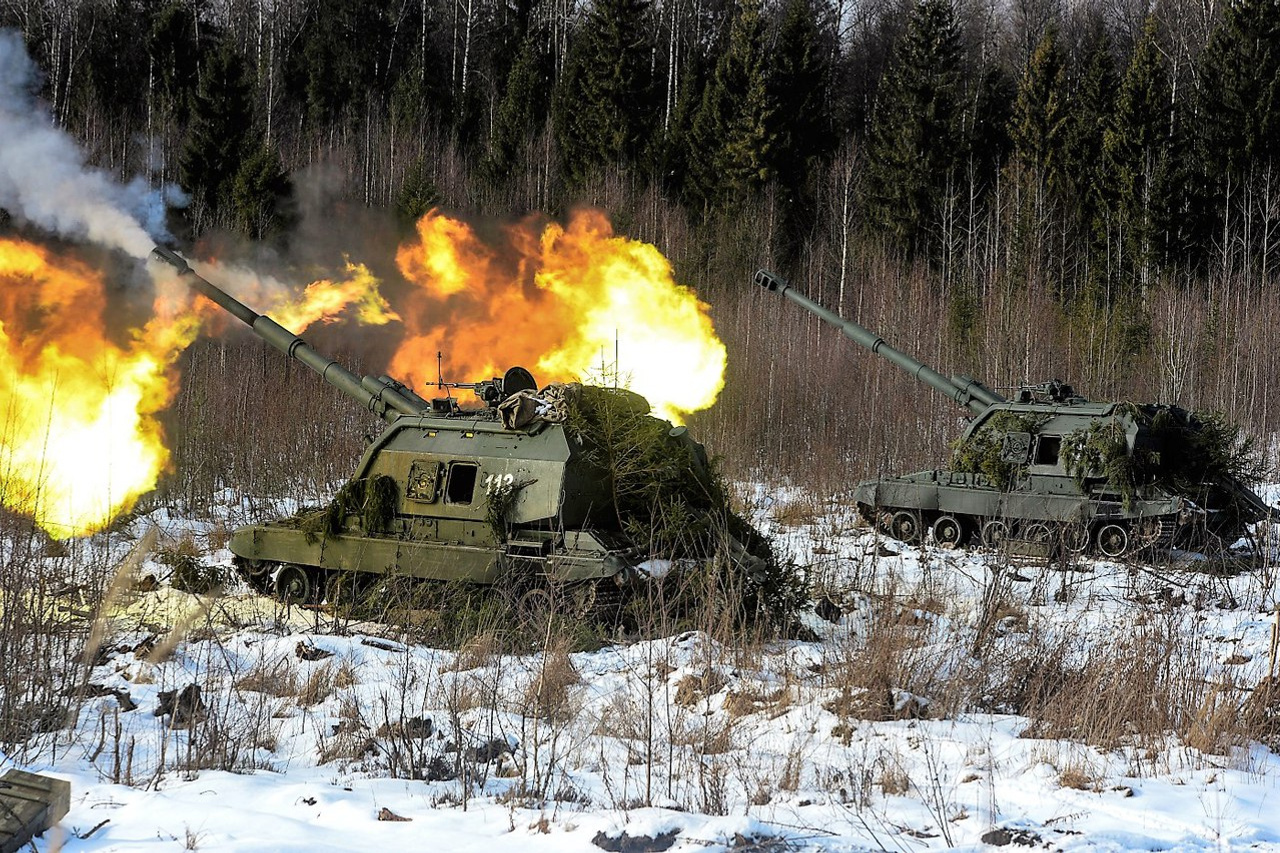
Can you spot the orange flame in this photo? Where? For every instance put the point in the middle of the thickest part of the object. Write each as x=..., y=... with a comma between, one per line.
x=325, y=299
x=79, y=442
x=559, y=300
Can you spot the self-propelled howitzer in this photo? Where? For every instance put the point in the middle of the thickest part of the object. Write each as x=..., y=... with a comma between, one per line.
x=1051, y=471
x=516, y=493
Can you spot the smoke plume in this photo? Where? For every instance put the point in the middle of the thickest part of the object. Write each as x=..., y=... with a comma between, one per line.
x=44, y=179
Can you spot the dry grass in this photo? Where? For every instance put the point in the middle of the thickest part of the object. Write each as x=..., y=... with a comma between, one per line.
x=894, y=781
x=479, y=651
x=1217, y=724
x=346, y=676
x=740, y=703
x=803, y=510
x=318, y=686
x=277, y=678
x=692, y=689
x=873, y=671
x=1078, y=777
x=1131, y=692
x=548, y=693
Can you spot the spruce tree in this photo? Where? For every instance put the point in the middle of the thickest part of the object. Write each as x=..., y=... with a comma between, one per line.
x=259, y=192
x=798, y=84
x=1088, y=113
x=174, y=54
x=521, y=110
x=219, y=137
x=113, y=78
x=1088, y=190
x=339, y=58
x=604, y=105
x=916, y=140
x=732, y=138
x=1240, y=89
x=1140, y=157
x=989, y=141
x=1237, y=132
x=1040, y=115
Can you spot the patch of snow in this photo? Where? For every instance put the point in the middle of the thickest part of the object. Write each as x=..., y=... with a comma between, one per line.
x=723, y=746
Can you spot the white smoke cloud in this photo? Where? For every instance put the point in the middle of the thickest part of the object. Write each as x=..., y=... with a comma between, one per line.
x=44, y=179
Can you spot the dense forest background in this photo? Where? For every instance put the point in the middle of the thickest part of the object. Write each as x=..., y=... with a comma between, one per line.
x=1017, y=190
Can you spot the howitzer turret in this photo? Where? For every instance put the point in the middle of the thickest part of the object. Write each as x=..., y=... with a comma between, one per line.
x=1051, y=472
x=502, y=495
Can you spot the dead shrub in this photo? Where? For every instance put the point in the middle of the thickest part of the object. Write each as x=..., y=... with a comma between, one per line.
x=877, y=705
x=1260, y=716
x=548, y=693
x=318, y=686
x=218, y=537
x=894, y=781
x=349, y=739
x=266, y=740
x=188, y=572
x=693, y=688
x=1135, y=691
x=708, y=737
x=741, y=703
x=1216, y=726
x=347, y=744
x=1028, y=680
x=346, y=676
x=803, y=510
x=880, y=674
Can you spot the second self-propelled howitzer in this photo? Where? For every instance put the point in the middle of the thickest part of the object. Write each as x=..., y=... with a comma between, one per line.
x=1051, y=472
x=515, y=493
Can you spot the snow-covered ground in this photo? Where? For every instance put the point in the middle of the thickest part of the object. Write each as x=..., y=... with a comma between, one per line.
x=866, y=738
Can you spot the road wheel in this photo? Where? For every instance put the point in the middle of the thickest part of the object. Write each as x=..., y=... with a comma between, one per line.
x=1148, y=533
x=1038, y=533
x=994, y=534
x=948, y=533
x=257, y=573
x=534, y=607
x=906, y=527
x=296, y=585
x=1074, y=538
x=884, y=522
x=1113, y=541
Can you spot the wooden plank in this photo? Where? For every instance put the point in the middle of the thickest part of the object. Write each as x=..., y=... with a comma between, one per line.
x=29, y=804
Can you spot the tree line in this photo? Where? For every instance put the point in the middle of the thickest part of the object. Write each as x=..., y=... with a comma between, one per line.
x=1097, y=163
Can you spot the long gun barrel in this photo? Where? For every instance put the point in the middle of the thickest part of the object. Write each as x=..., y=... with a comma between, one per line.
x=962, y=389
x=380, y=396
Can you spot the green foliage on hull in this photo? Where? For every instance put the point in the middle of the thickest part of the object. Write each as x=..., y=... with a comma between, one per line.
x=980, y=452
x=671, y=501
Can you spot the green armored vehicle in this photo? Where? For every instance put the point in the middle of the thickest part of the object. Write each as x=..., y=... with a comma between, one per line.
x=1050, y=471
x=516, y=493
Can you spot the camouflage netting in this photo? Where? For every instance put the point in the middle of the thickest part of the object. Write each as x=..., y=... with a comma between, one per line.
x=372, y=499
x=980, y=453
x=498, y=505
x=667, y=497
x=1188, y=451
x=1101, y=449
x=1207, y=449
